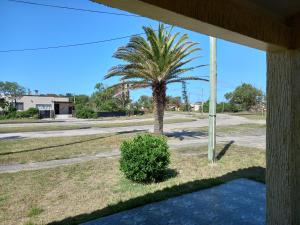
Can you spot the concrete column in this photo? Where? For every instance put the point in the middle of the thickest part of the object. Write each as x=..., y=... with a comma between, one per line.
x=283, y=137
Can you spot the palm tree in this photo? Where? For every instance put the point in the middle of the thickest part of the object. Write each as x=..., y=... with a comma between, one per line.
x=155, y=62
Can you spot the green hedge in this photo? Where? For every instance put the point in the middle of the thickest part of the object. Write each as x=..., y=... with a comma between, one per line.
x=145, y=158
x=12, y=113
x=84, y=112
x=29, y=113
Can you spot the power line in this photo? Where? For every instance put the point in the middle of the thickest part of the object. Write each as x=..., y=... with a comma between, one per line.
x=69, y=45
x=72, y=8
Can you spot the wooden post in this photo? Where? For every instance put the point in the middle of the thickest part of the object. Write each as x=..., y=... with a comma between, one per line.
x=283, y=137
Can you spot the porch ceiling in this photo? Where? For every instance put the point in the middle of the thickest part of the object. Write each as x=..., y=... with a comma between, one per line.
x=262, y=24
x=282, y=8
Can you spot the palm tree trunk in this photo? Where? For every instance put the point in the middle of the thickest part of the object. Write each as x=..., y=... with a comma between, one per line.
x=159, y=102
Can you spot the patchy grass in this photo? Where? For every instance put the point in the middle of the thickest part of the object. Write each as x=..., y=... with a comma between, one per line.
x=42, y=149
x=221, y=130
x=16, y=121
x=74, y=127
x=29, y=223
x=142, y=123
x=251, y=116
x=147, y=115
x=28, y=120
x=34, y=211
x=41, y=128
x=242, y=128
x=81, y=192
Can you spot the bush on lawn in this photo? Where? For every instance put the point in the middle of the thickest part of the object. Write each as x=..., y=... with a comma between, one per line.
x=85, y=112
x=145, y=158
x=29, y=113
x=12, y=113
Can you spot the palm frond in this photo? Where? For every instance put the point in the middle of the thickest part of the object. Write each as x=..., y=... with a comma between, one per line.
x=180, y=80
x=132, y=84
x=160, y=57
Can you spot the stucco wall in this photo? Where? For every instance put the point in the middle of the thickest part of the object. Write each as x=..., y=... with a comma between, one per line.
x=45, y=103
x=32, y=101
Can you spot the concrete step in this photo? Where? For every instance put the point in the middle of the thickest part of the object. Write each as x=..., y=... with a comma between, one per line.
x=63, y=116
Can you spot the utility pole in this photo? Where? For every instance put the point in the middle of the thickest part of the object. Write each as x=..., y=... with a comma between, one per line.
x=202, y=102
x=212, y=100
x=185, y=96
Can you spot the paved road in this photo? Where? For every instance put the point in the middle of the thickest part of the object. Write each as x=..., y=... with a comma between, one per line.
x=222, y=120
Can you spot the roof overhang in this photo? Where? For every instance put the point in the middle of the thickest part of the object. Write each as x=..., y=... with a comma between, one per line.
x=262, y=24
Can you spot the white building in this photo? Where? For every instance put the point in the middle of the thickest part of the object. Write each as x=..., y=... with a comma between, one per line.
x=196, y=106
x=47, y=105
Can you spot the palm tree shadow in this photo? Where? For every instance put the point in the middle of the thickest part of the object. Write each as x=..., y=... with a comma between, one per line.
x=224, y=150
x=181, y=135
x=70, y=143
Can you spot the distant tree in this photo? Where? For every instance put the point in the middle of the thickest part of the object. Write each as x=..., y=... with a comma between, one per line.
x=176, y=101
x=244, y=96
x=12, y=90
x=82, y=106
x=104, y=99
x=186, y=104
x=80, y=99
x=221, y=107
x=4, y=104
x=145, y=102
x=52, y=95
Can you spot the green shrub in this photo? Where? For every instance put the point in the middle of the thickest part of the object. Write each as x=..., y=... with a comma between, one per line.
x=145, y=158
x=29, y=113
x=85, y=112
x=10, y=113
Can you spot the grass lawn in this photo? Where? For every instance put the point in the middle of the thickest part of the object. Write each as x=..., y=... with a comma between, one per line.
x=146, y=115
x=42, y=149
x=233, y=129
x=29, y=120
x=72, y=127
x=141, y=123
x=81, y=192
x=45, y=127
x=16, y=121
x=251, y=116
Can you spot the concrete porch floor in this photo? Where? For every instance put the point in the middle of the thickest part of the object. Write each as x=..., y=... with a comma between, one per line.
x=239, y=202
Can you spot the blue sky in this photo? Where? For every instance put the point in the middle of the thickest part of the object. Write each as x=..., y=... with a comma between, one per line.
x=77, y=69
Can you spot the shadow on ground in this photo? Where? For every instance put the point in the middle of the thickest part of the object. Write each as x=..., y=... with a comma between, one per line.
x=254, y=173
x=224, y=150
x=185, y=133
x=71, y=143
x=11, y=138
x=193, y=150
